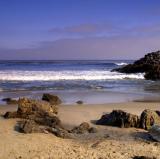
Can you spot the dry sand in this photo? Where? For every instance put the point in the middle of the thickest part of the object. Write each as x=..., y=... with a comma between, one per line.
x=108, y=143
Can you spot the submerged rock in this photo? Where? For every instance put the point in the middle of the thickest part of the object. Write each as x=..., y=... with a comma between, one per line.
x=149, y=118
x=149, y=64
x=53, y=99
x=119, y=118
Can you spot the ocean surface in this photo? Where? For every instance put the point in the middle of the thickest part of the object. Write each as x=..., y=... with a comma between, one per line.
x=89, y=80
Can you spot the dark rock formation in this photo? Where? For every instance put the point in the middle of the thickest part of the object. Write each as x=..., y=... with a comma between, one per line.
x=79, y=102
x=149, y=118
x=10, y=101
x=119, y=118
x=53, y=99
x=83, y=128
x=149, y=64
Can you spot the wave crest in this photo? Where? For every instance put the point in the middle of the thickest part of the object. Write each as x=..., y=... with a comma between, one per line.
x=65, y=75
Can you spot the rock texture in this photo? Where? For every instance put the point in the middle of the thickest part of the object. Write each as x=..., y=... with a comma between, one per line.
x=53, y=99
x=149, y=118
x=119, y=118
x=149, y=64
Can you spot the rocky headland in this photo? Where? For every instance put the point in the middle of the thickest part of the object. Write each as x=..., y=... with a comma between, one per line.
x=149, y=64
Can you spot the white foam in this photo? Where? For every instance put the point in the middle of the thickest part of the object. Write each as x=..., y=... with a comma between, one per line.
x=121, y=64
x=65, y=75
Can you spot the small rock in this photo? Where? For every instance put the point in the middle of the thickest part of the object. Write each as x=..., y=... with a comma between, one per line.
x=79, y=102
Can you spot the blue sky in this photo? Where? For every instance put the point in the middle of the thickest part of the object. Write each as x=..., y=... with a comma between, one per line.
x=78, y=29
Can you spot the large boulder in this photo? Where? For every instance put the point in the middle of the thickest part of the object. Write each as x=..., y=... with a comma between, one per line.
x=149, y=64
x=53, y=99
x=119, y=118
x=149, y=118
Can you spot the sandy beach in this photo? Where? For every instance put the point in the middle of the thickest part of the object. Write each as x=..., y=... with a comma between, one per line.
x=108, y=143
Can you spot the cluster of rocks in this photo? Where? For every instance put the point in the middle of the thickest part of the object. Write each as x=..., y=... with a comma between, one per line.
x=123, y=119
x=39, y=116
x=149, y=64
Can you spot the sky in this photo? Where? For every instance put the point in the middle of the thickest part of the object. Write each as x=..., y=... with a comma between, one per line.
x=78, y=29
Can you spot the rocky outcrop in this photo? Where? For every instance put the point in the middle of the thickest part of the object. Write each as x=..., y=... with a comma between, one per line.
x=38, y=116
x=149, y=64
x=119, y=118
x=53, y=99
x=83, y=128
x=41, y=117
x=28, y=107
x=149, y=118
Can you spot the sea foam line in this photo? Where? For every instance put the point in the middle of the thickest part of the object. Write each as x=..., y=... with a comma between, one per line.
x=65, y=75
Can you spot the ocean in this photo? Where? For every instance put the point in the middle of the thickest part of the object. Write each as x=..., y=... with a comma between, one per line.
x=89, y=80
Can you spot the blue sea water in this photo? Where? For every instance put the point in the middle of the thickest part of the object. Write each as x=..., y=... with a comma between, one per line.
x=74, y=79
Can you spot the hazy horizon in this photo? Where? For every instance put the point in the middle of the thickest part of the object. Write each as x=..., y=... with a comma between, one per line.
x=78, y=30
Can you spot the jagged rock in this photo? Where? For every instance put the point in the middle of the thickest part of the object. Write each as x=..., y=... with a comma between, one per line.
x=119, y=118
x=79, y=102
x=83, y=128
x=53, y=99
x=149, y=118
x=29, y=106
x=10, y=101
x=149, y=64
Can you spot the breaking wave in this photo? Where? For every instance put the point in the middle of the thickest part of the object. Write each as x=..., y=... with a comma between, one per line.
x=11, y=75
